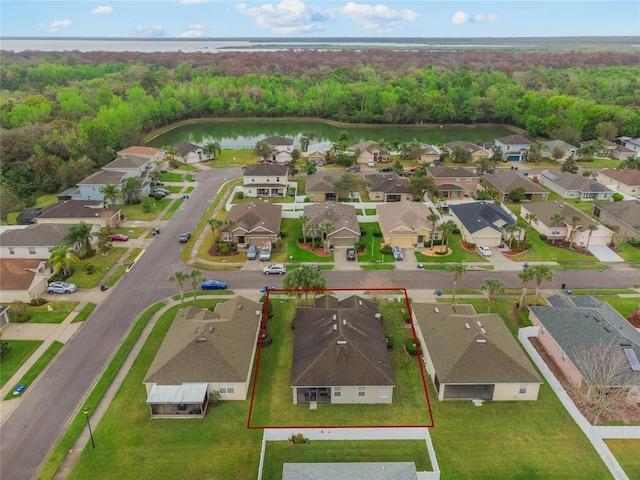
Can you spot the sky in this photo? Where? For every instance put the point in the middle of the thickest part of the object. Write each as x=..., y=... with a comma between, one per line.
x=308, y=18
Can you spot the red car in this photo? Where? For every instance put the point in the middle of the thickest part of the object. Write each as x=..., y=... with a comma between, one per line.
x=117, y=237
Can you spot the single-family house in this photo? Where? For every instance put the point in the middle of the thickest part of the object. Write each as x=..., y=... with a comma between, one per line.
x=563, y=229
x=572, y=185
x=506, y=180
x=388, y=187
x=265, y=179
x=481, y=223
x=34, y=241
x=471, y=356
x=340, y=353
x=204, y=351
x=75, y=211
x=281, y=146
x=156, y=155
x=405, y=224
x=89, y=188
x=370, y=151
x=454, y=182
x=477, y=152
x=133, y=166
x=514, y=147
x=320, y=186
x=559, y=150
x=571, y=326
x=623, y=217
x=630, y=143
x=429, y=153
x=345, y=231
x=621, y=153
x=189, y=152
x=603, y=148
x=317, y=152
x=23, y=278
x=255, y=223
x=626, y=182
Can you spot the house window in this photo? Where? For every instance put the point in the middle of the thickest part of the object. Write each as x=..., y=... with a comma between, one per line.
x=362, y=391
x=507, y=148
x=278, y=179
x=384, y=392
x=337, y=391
x=268, y=180
x=226, y=388
x=253, y=180
x=572, y=194
x=523, y=388
x=377, y=195
x=11, y=251
x=542, y=330
x=457, y=180
x=32, y=250
x=468, y=180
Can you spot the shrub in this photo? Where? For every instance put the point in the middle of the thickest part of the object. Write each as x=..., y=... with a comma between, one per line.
x=438, y=252
x=299, y=439
x=360, y=246
x=90, y=268
x=389, y=341
x=284, y=233
x=293, y=323
x=411, y=347
x=5, y=349
x=386, y=249
x=158, y=196
x=634, y=319
x=406, y=316
x=307, y=199
x=543, y=237
x=377, y=234
x=634, y=242
x=36, y=302
x=224, y=248
x=240, y=195
x=214, y=398
x=617, y=197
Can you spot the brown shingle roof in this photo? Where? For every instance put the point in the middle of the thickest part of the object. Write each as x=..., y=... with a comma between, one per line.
x=322, y=182
x=252, y=216
x=276, y=140
x=264, y=169
x=472, y=147
x=514, y=140
x=404, y=215
x=318, y=358
x=341, y=215
x=545, y=210
x=17, y=273
x=506, y=180
x=140, y=150
x=626, y=177
x=450, y=172
x=625, y=212
x=387, y=183
x=74, y=209
x=184, y=148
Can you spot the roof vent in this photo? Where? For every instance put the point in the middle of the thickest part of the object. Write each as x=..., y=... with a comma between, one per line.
x=335, y=327
x=341, y=342
x=201, y=339
x=436, y=309
x=360, y=302
x=607, y=328
x=483, y=331
x=211, y=329
x=239, y=307
x=481, y=340
x=467, y=326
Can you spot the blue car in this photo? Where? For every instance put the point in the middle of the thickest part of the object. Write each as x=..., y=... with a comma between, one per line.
x=213, y=285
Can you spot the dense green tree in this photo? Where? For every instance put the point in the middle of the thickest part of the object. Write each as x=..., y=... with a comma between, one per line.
x=419, y=186
x=79, y=236
x=516, y=195
x=569, y=165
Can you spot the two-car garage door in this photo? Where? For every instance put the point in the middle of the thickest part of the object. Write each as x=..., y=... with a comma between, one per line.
x=343, y=241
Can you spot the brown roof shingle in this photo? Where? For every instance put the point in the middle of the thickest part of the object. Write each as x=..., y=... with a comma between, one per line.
x=253, y=216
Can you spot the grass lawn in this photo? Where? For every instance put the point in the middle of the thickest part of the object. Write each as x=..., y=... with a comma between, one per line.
x=135, y=212
x=42, y=314
x=458, y=253
x=626, y=452
x=171, y=210
x=102, y=264
x=381, y=266
x=599, y=163
x=37, y=367
x=174, y=188
x=189, y=190
x=273, y=403
x=171, y=177
x=84, y=313
x=285, y=199
x=234, y=158
x=541, y=251
x=294, y=229
x=332, y=451
x=21, y=350
x=187, y=167
x=629, y=253
x=370, y=230
x=624, y=306
x=129, y=441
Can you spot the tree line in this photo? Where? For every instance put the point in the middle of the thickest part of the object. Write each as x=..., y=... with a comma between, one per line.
x=63, y=116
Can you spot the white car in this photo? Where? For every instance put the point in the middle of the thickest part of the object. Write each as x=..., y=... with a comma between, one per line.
x=274, y=268
x=484, y=250
x=61, y=287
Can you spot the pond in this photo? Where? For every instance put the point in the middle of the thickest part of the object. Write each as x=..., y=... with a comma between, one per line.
x=238, y=134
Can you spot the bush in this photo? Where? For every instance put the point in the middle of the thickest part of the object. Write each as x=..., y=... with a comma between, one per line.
x=240, y=195
x=634, y=242
x=284, y=233
x=224, y=248
x=307, y=199
x=411, y=347
x=386, y=249
x=389, y=341
x=406, y=316
x=293, y=323
x=438, y=252
x=617, y=197
x=377, y=234
x=360, y=246
x=214, y=398
x=543, y=237
x=90, y=268
x=158, y=196
x=36, y=302
x=298, y=439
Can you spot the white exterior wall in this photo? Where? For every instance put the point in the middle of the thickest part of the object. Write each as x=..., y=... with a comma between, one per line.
x=23, y=252
x=372, y=395
x=38, y=287
x=511, y=391
x=90, y=192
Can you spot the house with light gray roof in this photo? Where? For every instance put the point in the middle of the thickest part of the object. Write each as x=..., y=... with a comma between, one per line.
x=506, y=180
x=624, y=217
x=345, y=231
x=34, y=241
x=572, y=185
x=572, y=325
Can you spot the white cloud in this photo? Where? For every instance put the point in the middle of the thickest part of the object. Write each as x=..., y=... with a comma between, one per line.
x=198, y=26
x=149, y=31
x=192, y=2
x=377, y=16
x=481, y=17
x=191, y=34
x=60, y=23
x=460, y=17
x=103, y=9
x=286, y=17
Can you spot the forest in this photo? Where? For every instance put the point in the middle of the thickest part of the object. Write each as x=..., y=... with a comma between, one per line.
x=65, y=114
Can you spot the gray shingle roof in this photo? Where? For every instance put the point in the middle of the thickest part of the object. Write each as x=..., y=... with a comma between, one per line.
x=126, y=162
x=459, y=358
x=387, y=183
x=252, y=216
x=103, y=177
x=184, y=148
x=318, y=358
x=322, y=182
x=75, y=209
x=450, y=172
x=472, y=147
x=514, y=140
x=478, y=215
x=626, y=212
x=342, y=215
x=276, y=140
x=573, y=181
x=506, y=180
x=38, y=235
x=264, y=169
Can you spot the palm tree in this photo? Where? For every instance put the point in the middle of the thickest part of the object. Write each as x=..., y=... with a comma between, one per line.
x=215, y=225
x=447, y=228
x=521, y=226
x=130, y=188
x=306, y=139
x=458, y=270
x=154, y=175
x=228, y=225
x=62, y=257
x=433, y=218
x=196, y=279
x=326, y=227
x=172, y=153
x=80, y=235
x=314, y=228
x=304, y=278
x=574, y=223
x=526, y=276
x=556, y=218
x=509, y=230
x=540, y=273
x=212, y=150
x=494, y=287
x=630, y=163
x=592, y=228
x=304, y=221
x=180, y=278
x=530, y=218
x=110, y=192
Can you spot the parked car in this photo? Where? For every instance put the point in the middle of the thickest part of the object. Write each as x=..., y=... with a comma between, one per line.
x=117, y=237
x=157, y=184
x=61, y=287
x=184, y=237
x=351, y=254
x=265, y=252
x=275, y=268
x=252, y=252
x=353, y=168
x=371, y=164
x=321, y=163
x=153, y=193
x=484, y=250
x=397, y=253
x=162, y=190
x=387, y=169
x=213, y=285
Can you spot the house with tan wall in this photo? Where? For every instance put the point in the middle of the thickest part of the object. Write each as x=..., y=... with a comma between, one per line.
x=477, y=152
x=265, y=180
x=622, y=217
x=626, y=182
x=454, y=182
x=405, y=224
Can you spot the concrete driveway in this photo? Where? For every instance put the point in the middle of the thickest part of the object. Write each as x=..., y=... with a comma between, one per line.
x=605, y=254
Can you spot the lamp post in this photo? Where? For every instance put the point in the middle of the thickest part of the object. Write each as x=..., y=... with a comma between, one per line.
x=86, y=414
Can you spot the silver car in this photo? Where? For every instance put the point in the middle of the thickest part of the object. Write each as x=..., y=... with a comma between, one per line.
x=61, y=287
x=397, y=253
x=274, y=268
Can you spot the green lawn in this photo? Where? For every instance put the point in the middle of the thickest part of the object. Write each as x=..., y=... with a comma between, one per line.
x=189, y=190
x=624, y=306
x=84, y=313
x=21, y=350
x=37, y=367
x=626, y=452
x=458, y=253
x=41, y=314
x=540, y=251
x=102, y=264
x=172, y=177
x=285, y=199
x=371, y=233
x=172, y=209
x=188, y=167
x=320, y=451
x=599, y=163
x=131, y=232
x=273, y=403
x=234, y=158
x=293, y=252
x=135, y=212
x=629, y=253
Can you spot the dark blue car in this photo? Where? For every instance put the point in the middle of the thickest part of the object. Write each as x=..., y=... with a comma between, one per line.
x=213, y=285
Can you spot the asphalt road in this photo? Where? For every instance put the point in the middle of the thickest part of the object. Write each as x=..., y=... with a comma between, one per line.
x=41, y=418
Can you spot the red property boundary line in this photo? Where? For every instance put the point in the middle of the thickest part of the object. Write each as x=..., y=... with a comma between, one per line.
x=415, y=339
